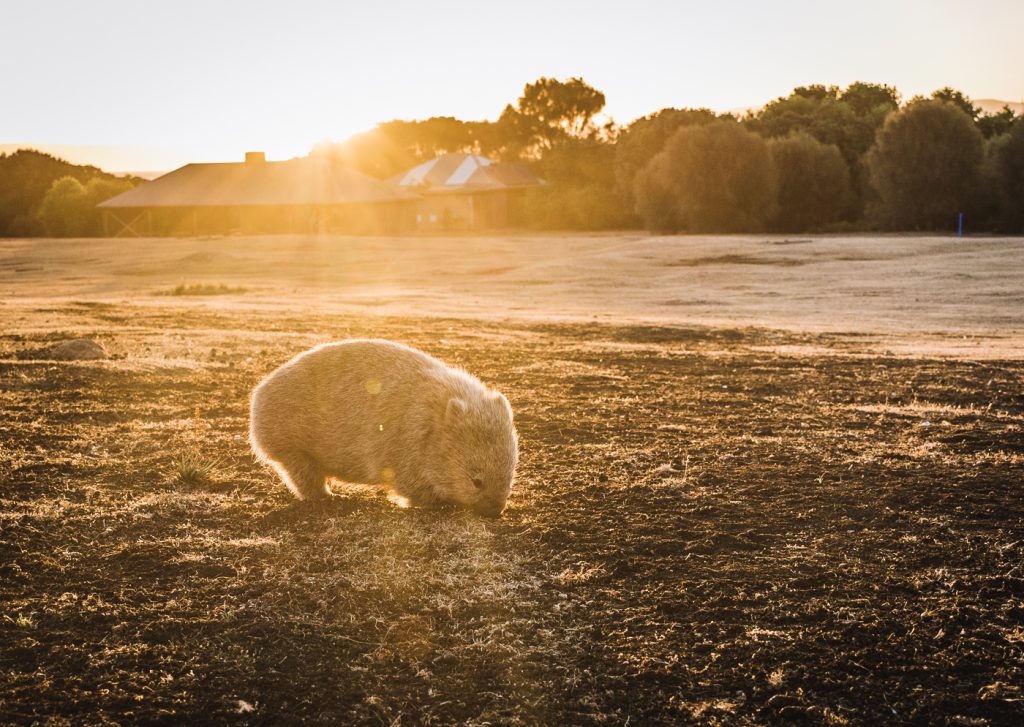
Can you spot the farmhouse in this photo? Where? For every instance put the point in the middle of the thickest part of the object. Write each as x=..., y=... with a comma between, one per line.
x=321, y=194
x=467, y=191
x=300, y=195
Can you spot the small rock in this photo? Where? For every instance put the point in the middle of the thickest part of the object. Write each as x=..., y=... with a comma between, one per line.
x=779, y=701
x=794, y=712
x=79, y=349
x=998, y=690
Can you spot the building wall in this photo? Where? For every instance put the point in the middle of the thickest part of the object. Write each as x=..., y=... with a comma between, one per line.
x=375, y=219
x=429, y=213
x=453, y=212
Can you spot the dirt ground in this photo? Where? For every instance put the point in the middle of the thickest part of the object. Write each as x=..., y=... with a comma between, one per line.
x=761, y=481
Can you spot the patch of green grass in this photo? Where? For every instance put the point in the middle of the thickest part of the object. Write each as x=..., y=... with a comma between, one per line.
x=192, y=469
x=184, y=289
x=25, y=621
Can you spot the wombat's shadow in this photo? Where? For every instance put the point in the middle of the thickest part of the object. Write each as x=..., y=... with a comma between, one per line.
x=298, y=512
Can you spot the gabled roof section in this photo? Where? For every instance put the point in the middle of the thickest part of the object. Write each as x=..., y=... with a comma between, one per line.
x=465, y=173
x=305, y=181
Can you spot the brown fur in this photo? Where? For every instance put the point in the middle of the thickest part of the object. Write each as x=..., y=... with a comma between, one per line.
x=377, y=412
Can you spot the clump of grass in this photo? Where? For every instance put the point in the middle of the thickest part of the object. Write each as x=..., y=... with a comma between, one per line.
x=192, y=469
x=25, y=621
x=183, y=289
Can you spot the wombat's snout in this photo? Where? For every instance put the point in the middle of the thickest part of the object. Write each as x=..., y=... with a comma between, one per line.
x=489, y=510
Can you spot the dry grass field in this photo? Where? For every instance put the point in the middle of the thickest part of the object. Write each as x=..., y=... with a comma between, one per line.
x=762, y=480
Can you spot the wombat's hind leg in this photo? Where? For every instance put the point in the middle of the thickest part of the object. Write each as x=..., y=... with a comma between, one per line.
x=304, y=477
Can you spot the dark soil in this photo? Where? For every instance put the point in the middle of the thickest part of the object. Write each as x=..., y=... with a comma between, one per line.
x=701, y=531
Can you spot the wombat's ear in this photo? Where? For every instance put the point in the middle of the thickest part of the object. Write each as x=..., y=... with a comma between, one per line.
x=503, y=403
x=455, y=409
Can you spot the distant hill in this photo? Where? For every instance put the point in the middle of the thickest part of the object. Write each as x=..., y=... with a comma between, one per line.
x=26, y=175
x=119, y=159
x=992, y=106
x=147, y=175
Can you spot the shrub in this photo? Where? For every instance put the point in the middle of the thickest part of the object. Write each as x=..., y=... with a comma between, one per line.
x=580, y=191
x=925, y=166
x=1006, y=164
x=64, y=208
x=27, y=176
x=69, y=207
x=715, y=178
x=198, y=289
x=814, y=183
x=644, y=139
x=849, y=120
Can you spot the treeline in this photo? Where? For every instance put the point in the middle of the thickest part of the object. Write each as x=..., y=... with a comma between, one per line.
x=43, y=195
x=822, y=158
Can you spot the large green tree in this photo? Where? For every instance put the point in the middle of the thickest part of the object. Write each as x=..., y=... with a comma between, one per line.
x=989, y=124
x=714, y=178
x=870, y=99
x=394, y=146
x=68, y=209
x=643, y=139
x=26, y=176
x=813, y=183
x=567, y=107
x=1006, y=157
x=65, y=208
x=957, y=98
x=998, y=123
x=580, y=192
x=551, y=111
x=925, y=166
x=847, y=120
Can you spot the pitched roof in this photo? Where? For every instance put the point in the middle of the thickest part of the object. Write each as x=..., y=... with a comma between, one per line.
x=305, y=181
x=465, y=173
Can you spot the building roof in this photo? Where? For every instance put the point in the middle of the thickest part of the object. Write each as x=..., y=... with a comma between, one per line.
x=305, y=181
x=465, y=173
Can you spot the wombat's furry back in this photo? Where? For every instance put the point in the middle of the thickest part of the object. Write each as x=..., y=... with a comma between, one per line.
x=378, y=412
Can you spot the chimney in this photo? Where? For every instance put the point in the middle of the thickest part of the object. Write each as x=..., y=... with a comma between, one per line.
x=255, y=157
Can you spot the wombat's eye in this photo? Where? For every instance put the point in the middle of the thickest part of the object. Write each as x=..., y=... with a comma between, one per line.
x=478, y=483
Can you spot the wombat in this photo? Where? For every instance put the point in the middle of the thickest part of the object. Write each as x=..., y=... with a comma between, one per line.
x=377, y=412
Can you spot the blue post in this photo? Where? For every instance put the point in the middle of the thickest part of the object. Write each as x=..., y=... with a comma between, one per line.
x=960, y=225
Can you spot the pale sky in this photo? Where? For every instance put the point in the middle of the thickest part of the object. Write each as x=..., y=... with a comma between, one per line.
x=164, y=83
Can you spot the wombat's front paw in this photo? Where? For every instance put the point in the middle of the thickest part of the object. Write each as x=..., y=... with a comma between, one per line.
x=322, y=502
